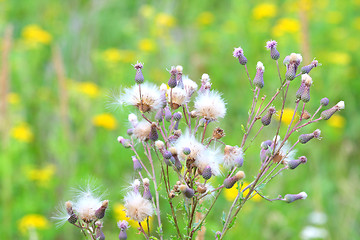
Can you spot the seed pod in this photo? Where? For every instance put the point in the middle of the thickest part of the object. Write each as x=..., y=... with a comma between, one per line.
x=172, y=80
x=295, y=163
x=73, y=218
x=259, y=77
x=153, y=135
x=289, y=198
x=266, y=119
x=206, y=173
x=167, y=114
x=100, y=212
x=188, y=192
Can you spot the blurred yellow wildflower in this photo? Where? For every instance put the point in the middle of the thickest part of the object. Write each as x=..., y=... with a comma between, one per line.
x=88, y=88
x=114, y=55
x=230, y=194
x=13, y=98
x=42, y=176
x=164, y=20
x=30, y=221
x=287, y=115
x=286, y=25
x=334, y=17
x=119, y=212
x=337, y=121
x=356, y=23
x=264, y=10
x=146, y=11
x=146, y=45
x=205, y=18
x=105, y=120
x=339, y=58
x=34, y=34
x=305, y=5
x=22, y=133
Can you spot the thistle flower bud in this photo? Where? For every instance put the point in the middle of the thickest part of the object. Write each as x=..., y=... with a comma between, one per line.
x=167, y=114
x=206, y=173
x=324, y=101
x=167, y=154
x=259, y=77
x=202, y=122
x=274, y=53
x=230, y=181
x=328, y=113
x=130, y=131
x=123, y=225
x=289, y=198
x=292, y=62
x=153, y=135
x=133, y=119
x=125, y=142
x=239, y=54
x=177, y=163
x=177, y=116
x=304, y=138
x=72, y=218
x=305, y=96
x=137, y=165
x=290, y=72
x=136, y=185
x=99, y=234
x=147, y=194
x=172, y=80
x=266, y=119
x=186, y=150
x=305, y=115
x=292, y=164
x=266, y=144
x=188, y=192
x=307, y=68
x=286, y=60
x=301, y=88
x=159, y=115
x=139, y=78
x=100, y=212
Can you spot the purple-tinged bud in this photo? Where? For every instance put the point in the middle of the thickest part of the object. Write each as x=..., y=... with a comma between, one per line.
x=172, y=160
x=186, y=151
x=301, y=89
x=125, y=142
x=72, y=218
x=324, y=101
x=292, y=164
x=130, y=131
x=290, y=72
x=304, y=138
x=239, y=54
x=136, y=185
x=259, y=77
x=139, y=77
x=177, y=163
x=266, y=144
x=239, y=161
x=266, y=119
x=308, y=68
x=202, y=122
x=99, y=234
x=167, y=154
x=305, y=95
x=217, y=235
x=207, y=173
x=123, y=225
x=286, y=60
x=147, y=194
x=172, y=80
x=230, y=181
x=176, y=126
x=328, y=113
x=100, y=212
x=159, y=115
x=188, y=192
x=177, y=116
x=274, y=53
x=167, y=114
x=153, y=135
x=179, y=76
x=289, y=198
x=137, y=165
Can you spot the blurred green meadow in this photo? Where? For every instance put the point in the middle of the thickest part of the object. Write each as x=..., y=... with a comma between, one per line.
x=61, y=61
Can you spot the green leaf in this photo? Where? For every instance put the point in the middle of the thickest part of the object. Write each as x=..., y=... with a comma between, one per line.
x=232, y=223
x=243, y=128
x=223, y=218
x=171, y=219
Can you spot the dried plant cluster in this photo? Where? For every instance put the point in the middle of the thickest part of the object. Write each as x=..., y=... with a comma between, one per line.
x=176, y=158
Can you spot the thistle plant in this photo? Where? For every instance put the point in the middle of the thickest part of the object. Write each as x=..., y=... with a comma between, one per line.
x=179, y=156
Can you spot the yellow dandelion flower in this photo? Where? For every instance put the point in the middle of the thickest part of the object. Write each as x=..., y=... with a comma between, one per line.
x=146, y=11
x=334, y=17
x=287, y=115
x=34, y=34
x=165, y=20
x=205, y=18
x=88, y=88
x=13, y=98
x=22, y=133
x=337, y=121
x=286, y=25
x=30, y=221
x=264, y=10
x=105, y=120
x=339, y=58
x=146, y=45
x=41, y=175
x=230, y=194
x=119, y=212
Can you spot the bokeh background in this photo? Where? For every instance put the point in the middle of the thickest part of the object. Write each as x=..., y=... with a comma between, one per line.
x=60, y=61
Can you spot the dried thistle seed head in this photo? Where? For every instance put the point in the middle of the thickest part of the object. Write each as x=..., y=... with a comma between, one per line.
x=173, y=150
x=69, y=208
x=317, y=133
x=179, y=69
x=159, y=144
x=201, y=188
x=218, y=133
x=188, y=192
x=137, y=208
x=177, y=97
x=189, y=86
x=289, y=198
x=340, y=105
x=307, y=79
x=305, y=115
x=137, y=165
x=239, y=175
x=259, y=77
x=206, y=173
x=142, y=130
x=233, y=156
x=193, y=114
x=295, y=58
x=210, y=105
x=324, y=101
x=239, y=54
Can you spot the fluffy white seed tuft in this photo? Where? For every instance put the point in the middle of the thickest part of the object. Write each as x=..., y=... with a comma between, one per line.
x=211, y=158
x=137, y=208
x=210, y=105
x=188, y=140
x=142, y=130
x=341, y=105
x=260, y=66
